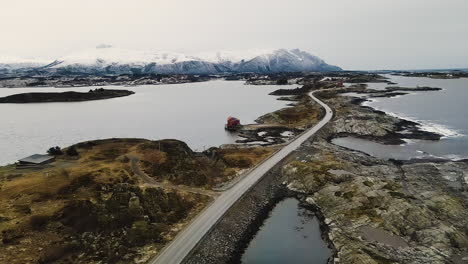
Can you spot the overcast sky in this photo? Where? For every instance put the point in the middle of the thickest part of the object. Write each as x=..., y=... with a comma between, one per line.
x=353, y=34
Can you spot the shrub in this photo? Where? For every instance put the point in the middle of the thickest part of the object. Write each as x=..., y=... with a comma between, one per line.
x=71, y=151
x=142, y=232
x=11, y=235
x=38, y=222
x=81, y=215
x=55, y=151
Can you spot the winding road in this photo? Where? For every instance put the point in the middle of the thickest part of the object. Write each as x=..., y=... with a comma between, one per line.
x=188, y=238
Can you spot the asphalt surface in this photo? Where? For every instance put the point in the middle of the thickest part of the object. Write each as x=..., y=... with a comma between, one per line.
x=188, y=238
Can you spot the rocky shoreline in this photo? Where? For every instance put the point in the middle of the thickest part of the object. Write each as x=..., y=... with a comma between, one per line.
x=371, y=210
x=412, y=204
x=354, y=119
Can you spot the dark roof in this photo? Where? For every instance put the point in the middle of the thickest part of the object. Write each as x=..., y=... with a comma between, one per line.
x=37, y=159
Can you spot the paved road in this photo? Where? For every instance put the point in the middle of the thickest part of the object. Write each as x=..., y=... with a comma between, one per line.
x=188, y=238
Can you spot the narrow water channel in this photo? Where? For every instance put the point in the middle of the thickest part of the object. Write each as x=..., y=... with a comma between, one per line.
x=291, y=234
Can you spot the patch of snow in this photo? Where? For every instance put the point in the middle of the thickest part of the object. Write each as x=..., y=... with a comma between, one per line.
x=287, y=134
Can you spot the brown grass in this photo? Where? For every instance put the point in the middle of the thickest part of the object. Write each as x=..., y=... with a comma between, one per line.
x=245, y=157
x=304, y=113
x=31, y=201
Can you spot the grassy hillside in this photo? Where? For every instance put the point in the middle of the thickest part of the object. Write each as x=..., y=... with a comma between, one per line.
x=118, y=201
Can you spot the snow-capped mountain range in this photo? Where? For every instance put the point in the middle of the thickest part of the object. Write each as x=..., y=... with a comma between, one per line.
x=105, y=59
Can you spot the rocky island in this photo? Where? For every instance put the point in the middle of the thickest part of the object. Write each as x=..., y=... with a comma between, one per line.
x=96, y=94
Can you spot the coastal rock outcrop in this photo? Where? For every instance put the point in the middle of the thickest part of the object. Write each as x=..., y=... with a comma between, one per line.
x=377, y=211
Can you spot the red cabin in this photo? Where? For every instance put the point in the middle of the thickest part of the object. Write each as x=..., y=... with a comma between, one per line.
x=232, y=123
